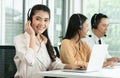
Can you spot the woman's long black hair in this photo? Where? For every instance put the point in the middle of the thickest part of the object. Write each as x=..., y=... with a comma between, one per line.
x=75, y=23
x=45, y=33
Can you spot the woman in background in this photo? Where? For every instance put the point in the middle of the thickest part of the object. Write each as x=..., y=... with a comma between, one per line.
x=73, y=49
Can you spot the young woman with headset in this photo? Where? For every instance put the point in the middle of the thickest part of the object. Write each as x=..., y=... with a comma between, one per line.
x=73, y=50
x=34, y=52
x=99, y=23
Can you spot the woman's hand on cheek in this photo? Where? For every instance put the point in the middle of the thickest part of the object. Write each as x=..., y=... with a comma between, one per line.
x=29, y=29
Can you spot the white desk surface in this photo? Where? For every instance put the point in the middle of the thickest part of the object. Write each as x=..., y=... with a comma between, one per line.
x=104, y=73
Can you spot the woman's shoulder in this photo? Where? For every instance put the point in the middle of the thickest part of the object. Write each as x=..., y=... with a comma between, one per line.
x=65, y=41
x=19, y=37
x=85, y=44
x=25, y=34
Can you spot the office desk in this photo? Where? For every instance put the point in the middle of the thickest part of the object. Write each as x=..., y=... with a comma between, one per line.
x=104, y=73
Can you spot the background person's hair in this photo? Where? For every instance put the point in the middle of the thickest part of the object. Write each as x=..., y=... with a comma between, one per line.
x=30, y=14
x=75, y=23
x=96, y=18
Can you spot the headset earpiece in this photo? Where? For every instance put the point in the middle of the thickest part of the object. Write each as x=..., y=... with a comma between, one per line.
x=105, y=35
x=28, y=15
x=80, y=21
x=29, y=18
x=95, y=22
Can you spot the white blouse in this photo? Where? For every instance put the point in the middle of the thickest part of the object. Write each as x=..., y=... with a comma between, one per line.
x=29, y=62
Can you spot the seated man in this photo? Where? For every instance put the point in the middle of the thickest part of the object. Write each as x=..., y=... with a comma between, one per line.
x=99, y=23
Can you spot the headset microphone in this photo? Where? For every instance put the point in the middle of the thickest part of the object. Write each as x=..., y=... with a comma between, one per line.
x=103, y=33
x=86, y=34
x=89, y=35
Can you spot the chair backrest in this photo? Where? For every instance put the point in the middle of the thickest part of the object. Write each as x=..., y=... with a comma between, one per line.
x=57, y=51
x=7, y=65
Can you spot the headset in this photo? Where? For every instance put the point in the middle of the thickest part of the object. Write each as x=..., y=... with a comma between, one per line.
x=80, y=21
x=95, y=22
x=29, y=18
x=28, y=15
x=81, y=25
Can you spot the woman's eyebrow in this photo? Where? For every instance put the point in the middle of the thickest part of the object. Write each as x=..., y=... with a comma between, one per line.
x=41, y=17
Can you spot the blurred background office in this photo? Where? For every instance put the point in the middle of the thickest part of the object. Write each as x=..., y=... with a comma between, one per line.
x=13, y=17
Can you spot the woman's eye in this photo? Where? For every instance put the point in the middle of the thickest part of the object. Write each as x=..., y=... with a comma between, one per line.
x=37, y=19
x=46, y=20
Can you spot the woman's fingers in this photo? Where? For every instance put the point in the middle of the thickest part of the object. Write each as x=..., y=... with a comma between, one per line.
x=27, y=26
x=109, y=63
x=81, y=67
x=114, y=59
x=29, y=29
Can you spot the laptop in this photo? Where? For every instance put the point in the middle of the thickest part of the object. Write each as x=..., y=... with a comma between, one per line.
x=97, y=58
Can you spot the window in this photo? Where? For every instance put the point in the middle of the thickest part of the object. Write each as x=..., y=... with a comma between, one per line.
x=55, y=27
x=13, y=17
x=58, y=21
x=0, y=22
x=111, y=9
x=12, y=20
x=61, y=11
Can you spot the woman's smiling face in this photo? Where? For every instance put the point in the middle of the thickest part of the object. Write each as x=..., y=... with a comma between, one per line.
x=40, y=21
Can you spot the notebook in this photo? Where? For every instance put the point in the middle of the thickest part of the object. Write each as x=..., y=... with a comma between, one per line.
x=98, y=55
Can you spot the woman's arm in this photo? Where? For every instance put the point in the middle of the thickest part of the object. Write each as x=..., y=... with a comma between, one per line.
x=23, y=52
x=59, y=65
